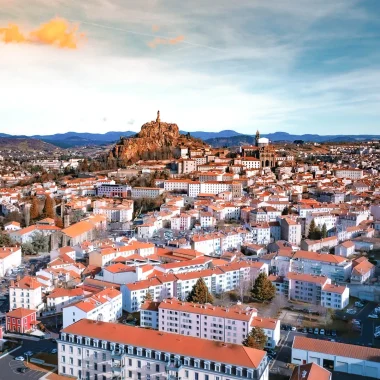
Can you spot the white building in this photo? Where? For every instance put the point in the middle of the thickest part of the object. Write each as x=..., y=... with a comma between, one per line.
x=271, y=328
x=61, y=297
x=10, y=257
x=92, y=350
x=335, y=296
x=26, y=293
x=146, y=192
x=335, y=267
x=291, y=231
x=111, y=190
x=105, y=306
x=345, y=249
x=349, y=173
x=340, y=357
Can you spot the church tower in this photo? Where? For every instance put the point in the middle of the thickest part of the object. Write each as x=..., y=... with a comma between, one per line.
x=257, y=137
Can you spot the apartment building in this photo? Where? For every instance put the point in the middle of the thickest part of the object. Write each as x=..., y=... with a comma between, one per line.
x=291, y=231
x=335, y=267
x=218, y=280
x=114, y=213
x=26, y=293
x=271, y=328
x=112, y=191
x=320, y=219
x=335, y=296
x=350, y=173
x=98, y=350
x=250, y=163
x=104, y=306
x=146, y=192
x=225, y=324
x=10, y=257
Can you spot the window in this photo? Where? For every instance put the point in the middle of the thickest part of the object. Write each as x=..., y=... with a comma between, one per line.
x=138, y=376
x=104, y=356
x=206, y=377
x=71, y=361
x=104, y=368
x=95, y=366
x=63, y=369
x=71, y=349
x=138, y=363
x=129, y=361
x=63, y=347
x=196, y=376
x=95, y=355
x=63, y=359
x=186, y=373
x=79, y=363
x=130, y=374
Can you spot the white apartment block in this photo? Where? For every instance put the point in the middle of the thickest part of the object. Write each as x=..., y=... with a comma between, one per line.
x=349, y=173
x=176, y=185
x=271, y=328
x=225, y=324
x=291, y=231
x=26, y=293
x=251, y=163
x=335, y=267
x=114, y=212
x=215, y=187
x=98, y=350
x=10, y=257
x=335, y=296
x=146, y=192
x=330, y=220
x=218, y=280
x=105, y=306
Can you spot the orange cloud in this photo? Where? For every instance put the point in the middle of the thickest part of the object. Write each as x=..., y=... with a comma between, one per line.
x=57, y=32
x=163, y=41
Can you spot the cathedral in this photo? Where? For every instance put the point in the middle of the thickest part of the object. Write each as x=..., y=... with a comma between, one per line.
x=262, y=151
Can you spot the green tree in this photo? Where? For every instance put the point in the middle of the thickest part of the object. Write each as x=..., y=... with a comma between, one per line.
x=255, y=339
x=5, y=240
x=200, y=293
x=324, y=231
x=28, y=249
x=148, y=297
x=312, y=229
x=34, y=209
x=263, y=289
x=40, y=242
x=285, y=211
x=48, y=209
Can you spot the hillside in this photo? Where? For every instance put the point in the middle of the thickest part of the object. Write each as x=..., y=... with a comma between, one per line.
x=156, y=140
x=25, y=144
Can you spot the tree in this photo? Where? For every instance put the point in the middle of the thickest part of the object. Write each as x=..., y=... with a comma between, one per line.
x=312, y=229
x=5, y=240
x=148, y=297
x=48, y=209
x=285, y=211
x=324, y=231
x=263, y=289
x=34, y=209
x=255, y=339
x=40, y=242
x=28, y=249
x=200, y=293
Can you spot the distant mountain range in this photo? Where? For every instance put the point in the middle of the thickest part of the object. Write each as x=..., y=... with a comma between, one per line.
x=216, y=139
x=25, y=144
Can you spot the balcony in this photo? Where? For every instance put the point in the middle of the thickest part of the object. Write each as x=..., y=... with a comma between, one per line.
x=117, y=355
x=173, y=366
x=116, y=368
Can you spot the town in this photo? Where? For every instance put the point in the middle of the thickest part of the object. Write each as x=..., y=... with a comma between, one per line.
x=164, y=257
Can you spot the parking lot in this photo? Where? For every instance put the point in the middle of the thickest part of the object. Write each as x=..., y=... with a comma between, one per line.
x=11, y=368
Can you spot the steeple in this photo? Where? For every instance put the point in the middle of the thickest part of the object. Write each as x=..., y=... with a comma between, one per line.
x=257, y=137
x=158, y=117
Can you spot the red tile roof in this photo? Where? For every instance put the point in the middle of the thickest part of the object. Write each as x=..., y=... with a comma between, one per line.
x=20, y=312
x=168, y=342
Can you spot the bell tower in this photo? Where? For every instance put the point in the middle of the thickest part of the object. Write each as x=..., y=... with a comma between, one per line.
x=257, y=137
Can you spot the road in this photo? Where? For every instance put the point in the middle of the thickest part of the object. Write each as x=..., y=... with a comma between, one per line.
x=9, y=367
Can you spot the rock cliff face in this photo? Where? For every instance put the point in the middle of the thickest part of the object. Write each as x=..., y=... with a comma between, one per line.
x=156, y=140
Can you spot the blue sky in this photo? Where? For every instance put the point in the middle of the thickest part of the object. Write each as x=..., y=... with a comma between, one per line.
x=300, y=66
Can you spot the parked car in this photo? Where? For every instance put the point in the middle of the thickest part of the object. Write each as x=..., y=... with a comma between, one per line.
x=310, y=331
x=322, y=332
x=373, y=316
x=19, y=358
x=316, y=331
x=304, y=330
x=294, y=328
x=358, y=304
x=28, y=353
x=351, y=311
x=328, y=332
x=22, y=369
x=333, y=333
x=54, y=351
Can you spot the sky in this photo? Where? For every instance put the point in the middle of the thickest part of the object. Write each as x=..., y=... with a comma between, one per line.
x=298, y=66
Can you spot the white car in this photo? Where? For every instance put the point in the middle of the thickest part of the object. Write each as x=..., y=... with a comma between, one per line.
x=351, y=311
x=358, y=304
x=373, y=316
x=322, y=332
x=54, y=351
x=19, y=358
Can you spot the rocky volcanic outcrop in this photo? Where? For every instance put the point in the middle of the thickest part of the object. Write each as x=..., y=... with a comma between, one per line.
x=156, y=140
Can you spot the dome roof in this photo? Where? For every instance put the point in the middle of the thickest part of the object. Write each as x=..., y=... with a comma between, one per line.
x=263, y=140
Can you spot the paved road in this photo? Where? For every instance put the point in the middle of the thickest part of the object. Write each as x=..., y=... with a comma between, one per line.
x=9, y=368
